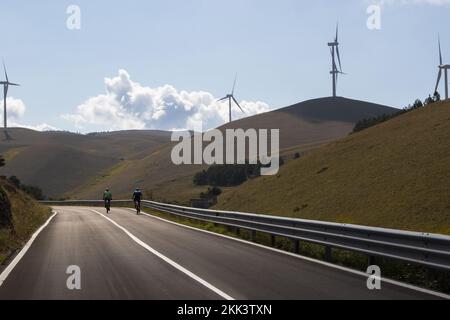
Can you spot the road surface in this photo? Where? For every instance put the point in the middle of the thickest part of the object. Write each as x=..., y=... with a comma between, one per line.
x=124, y=256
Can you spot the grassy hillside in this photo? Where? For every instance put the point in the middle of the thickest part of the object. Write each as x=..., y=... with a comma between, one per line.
x=396, y=174
x=303, y=127
x=26, y=217
x=58, y=162
x=313, y=121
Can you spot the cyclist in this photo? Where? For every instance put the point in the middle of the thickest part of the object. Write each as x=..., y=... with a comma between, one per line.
x=107, y=197
x=137, y=196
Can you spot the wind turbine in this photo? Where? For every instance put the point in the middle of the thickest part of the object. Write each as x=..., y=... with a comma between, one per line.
x=334, y=49
x=6, y=85
x=231, y=98
x=441, y=67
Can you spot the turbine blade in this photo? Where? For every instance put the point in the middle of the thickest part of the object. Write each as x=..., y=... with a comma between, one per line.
x=235, y=101
x=334, y=66
x=440, y=53
x=337, y=32
x=14, y=84
x=234, y=85
x=6, y=74
x=224, y=98
x=438, y=80
x=339, y=58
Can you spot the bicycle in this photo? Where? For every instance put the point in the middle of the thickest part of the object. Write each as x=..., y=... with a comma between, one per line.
x=137, y=205
x=108, y=206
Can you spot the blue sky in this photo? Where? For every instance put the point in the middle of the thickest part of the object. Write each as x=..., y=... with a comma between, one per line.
x=195, y=47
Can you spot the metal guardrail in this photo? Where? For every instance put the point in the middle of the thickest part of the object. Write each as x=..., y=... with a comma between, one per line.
x=419, y=248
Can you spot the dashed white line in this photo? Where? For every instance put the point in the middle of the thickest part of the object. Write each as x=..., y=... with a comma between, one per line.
x=168, y=260
x=24, y=250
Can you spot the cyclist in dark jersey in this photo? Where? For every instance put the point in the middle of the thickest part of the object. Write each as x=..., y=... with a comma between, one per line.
x=137, y=197
x=107, y=198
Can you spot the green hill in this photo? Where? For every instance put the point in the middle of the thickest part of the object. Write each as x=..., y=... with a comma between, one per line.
x=396, y=174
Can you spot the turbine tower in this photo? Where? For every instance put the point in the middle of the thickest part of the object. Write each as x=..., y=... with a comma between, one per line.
x=334, y=49
x=6, y=85
x=231, y=98
x=445, y=68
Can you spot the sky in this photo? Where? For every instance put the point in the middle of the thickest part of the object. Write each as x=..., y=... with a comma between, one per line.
x=162, y=64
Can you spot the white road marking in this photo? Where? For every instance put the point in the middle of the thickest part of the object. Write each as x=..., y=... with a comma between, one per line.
x=359, y=273
x=24, y=250
x=168, y=260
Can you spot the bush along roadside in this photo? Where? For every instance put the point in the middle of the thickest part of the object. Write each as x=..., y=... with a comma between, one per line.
x=20, y=217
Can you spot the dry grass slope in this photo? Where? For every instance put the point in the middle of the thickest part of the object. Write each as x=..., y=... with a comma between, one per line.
x=27, y=217
x=396, y=174
x=303, y=126
x=59, y=162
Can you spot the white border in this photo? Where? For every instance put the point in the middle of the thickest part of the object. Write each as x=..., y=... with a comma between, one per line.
x=24, y=250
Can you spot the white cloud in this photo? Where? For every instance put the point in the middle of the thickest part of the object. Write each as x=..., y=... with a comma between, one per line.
x=128, y=105
x=16, y=110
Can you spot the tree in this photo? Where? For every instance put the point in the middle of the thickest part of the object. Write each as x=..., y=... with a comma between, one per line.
x=417, y=104
x=2, y=161
x=437, y=97
x=201, y=179
x=15, y=181
x=429, y=100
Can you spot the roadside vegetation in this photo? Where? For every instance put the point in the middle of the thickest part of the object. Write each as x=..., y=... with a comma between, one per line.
x=34, y=191
x=370, y=122
x=20, y=217
x=229, y=175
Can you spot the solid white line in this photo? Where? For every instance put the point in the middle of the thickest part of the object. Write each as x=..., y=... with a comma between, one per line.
x=359, y=273
x=168, y=260
x=24, y=250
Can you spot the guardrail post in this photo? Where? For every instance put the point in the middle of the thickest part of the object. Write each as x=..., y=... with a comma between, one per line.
x=272, y=240
x=328, y=254
x=296, y=244
x=253, y=235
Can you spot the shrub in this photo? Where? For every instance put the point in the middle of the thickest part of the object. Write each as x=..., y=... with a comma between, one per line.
x=33, y=191
x=227, y=175
x=370, y=122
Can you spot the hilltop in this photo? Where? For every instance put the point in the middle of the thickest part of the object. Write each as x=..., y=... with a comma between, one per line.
x=303, y=127
x=64, y=164
x=313, y=121
x=59, y=162
x=396, y=174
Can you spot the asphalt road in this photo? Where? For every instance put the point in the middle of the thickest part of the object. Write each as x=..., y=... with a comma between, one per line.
x=125, y=256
